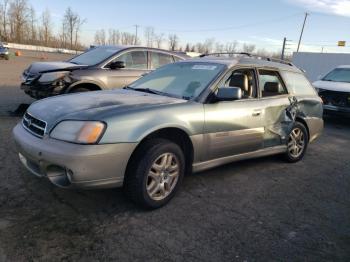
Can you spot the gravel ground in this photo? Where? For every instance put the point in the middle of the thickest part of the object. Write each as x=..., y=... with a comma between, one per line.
x=256, y=210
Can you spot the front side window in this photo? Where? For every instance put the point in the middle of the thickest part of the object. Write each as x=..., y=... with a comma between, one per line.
x=134, y=60
x=245, y=80
x=338, y=75
x=270, y=83
x=297, y=83
x=160, y=59
x=186, y=80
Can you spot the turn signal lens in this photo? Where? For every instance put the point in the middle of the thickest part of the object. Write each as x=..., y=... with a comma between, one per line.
x=90, y=132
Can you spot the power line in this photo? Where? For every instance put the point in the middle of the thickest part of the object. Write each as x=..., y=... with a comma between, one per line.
x=230, y=27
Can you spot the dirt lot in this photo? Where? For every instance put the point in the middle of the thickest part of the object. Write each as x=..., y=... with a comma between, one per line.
x=255, y=210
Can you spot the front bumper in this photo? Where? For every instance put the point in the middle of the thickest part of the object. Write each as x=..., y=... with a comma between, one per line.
x=41, y=91
x=71, y=165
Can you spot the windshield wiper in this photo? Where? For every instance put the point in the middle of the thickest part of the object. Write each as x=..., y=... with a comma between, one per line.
x=148, y=90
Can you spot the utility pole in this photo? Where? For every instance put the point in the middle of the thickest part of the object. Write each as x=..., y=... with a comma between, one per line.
x=136, y=27
x=284, y=47
x=302, y=31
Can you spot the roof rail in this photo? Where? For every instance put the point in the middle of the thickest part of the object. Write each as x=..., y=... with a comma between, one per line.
x=226, y=53
x=270, y=59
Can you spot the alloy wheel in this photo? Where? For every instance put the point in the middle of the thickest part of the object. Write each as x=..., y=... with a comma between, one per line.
x=163, y=176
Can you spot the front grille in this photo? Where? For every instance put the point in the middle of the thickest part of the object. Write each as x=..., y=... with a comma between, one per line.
x=335, y=98
x=34, y=125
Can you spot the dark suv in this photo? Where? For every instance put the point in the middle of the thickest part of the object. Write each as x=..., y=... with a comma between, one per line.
x=102, y=67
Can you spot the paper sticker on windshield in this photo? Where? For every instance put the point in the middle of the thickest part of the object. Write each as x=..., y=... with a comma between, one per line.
x=204, y=67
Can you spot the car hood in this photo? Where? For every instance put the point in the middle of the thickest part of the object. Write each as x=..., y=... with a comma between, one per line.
x=39, y=67
x=333, y=86
x=95, y=105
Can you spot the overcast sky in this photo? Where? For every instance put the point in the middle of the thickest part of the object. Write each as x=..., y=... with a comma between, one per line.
x=261, y=22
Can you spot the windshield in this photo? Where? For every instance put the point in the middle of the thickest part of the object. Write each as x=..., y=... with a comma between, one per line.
x=94, y=56
x=185, y=80
x=338, y=75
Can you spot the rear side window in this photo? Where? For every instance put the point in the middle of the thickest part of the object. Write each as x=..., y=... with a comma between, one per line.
x=297, y=83
x=134, y=59
x=270, y=83
x=160, y=59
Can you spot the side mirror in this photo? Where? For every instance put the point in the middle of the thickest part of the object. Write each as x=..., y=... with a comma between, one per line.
x=229, y=93
x=117, y=65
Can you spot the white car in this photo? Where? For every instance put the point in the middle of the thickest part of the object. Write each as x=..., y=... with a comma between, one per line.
x=334, y=89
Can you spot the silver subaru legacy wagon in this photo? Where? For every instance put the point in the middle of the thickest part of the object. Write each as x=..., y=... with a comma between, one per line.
x=184, y=117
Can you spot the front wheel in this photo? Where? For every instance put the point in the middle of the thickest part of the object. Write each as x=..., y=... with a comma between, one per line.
x=155, y=173
x=297, y=143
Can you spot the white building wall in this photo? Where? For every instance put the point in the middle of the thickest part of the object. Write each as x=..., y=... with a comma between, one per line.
x=319, y=64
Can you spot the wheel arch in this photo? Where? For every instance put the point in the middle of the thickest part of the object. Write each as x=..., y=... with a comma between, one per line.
x=173, y=134
x=92, y=86
x=303, y=121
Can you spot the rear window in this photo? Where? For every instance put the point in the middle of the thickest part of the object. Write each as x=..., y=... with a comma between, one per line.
x=297, y=83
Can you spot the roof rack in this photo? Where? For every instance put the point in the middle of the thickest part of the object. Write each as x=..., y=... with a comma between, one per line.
x=270, y=59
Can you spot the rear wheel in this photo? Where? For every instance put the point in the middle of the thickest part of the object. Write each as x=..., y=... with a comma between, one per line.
x=155, y=173
x=297, y=143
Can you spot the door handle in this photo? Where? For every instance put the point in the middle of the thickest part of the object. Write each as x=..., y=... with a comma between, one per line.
x=256, y=112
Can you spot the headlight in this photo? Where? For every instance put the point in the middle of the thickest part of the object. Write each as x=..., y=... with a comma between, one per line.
x=50, y=77
x=82, y=132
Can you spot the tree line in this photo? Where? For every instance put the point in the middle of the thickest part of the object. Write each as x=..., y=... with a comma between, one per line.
x=172, y=42
x=20, y=23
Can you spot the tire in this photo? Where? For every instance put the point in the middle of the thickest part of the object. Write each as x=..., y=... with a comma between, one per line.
x=79, y=90
x=146, y=175
x=297, y=143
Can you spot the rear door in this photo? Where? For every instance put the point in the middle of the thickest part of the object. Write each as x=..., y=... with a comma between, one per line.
x=276, y=107
x=136, y=64
x=235, y=127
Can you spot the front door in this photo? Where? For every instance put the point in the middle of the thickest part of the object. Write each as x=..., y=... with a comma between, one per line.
x=235, y=127
x=136, y=65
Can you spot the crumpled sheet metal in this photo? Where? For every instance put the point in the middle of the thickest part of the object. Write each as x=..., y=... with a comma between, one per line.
x=285, y=121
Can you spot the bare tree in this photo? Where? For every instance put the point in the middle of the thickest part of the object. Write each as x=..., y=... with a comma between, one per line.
x=159, y=40
x=3, y=16
x=127, y=38
x=188, y=47
x=46, y=26
x=32, y=21
x=18, y=17
x=113, y=37
x=173, y=42
x=100, y=37
x=231, y=47
x=248, y=48
x=80, y=22
x=72, y=23
x=208, y=45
